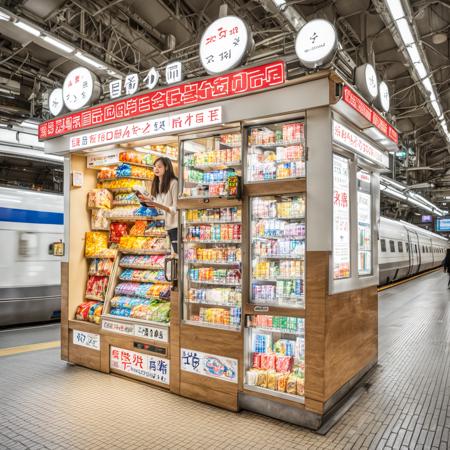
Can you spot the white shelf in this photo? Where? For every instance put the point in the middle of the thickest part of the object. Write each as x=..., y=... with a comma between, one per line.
x=214, y=222
x=213, y=166
x=299, y=305
x=278, y=218
x=280, y=257
x=133, y=320
x=212, y=325
x=275, y=279
x=222, y=305
x=280, y=238
x=211, y=242
x=279, y=394
x=215, y=263
x=276, y=330
x=216, y=283
x=278, y=144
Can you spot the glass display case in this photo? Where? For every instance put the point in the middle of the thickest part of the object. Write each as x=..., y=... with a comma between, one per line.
x=275, y=355
x=277, y=250
x=364, y=223
x=212, y=166
x=276, y=152
x=212, y=289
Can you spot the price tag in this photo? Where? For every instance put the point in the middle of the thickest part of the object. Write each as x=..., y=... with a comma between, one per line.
x=261, y=309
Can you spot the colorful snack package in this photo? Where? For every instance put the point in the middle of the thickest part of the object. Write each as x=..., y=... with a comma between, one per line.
x=272, y=380
x=99, y=219
x=291, y=387
x=99, y=198
x=262, y=378
x=282, y=381
x=117, y=230
x=300, y=386
x=256, y=360
x=252, y=377
x=283, y=363
x=96, y=243
x=82, y=311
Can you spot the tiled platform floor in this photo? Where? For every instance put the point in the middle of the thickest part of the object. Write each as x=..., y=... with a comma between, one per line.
x=45, y=403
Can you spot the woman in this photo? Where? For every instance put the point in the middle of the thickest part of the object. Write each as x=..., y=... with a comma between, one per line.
x=164, y=195
x=446, y=264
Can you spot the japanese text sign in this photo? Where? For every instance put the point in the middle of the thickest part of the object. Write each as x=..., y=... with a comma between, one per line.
x=79, y=88
x=149, y=128
x=360, y=106
x=345, y=136
x=141, y=365
x=151, y=332
x=210, y=89
x=209, y=365
x=88, y=340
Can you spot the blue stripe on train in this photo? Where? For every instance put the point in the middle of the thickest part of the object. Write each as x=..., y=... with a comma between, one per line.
x=28, y=216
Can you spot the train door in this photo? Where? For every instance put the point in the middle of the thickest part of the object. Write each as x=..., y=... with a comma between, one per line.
x=414, y=252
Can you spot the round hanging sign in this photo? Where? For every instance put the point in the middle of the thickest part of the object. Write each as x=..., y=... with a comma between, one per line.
x=225, y=44
x=384, y=96
x=56, y=102
x=316, y=43
x=366, y=81
x=80, y=88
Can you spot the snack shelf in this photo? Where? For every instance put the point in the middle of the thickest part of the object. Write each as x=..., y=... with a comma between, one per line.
x=125, y=203
x=157, y=299
x=158, y=154
x=100, y=256
x=124, y=178
x=255, y=218
x=212, y=325
x=201, y=197
x=278, y=330
x=122, y=190
x=214, y=263
x=212, y=166
x=272, y=393
x=133, y=320
x=138, y=267
x=212, y=242
x=214, y=222
x=137, y=251
x=275, y=279
x=99, y=274
x=224, y=305
x=95, y=297
x=282, y=238
x=146, y=281
x=280, y=257
x=135, y=218
x=278, y=144
x=216, y=283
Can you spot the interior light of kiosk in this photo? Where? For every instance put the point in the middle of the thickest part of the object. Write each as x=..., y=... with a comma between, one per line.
x=420, y=69
x=405, y=31
x=28, y=28
x=428, y=86
x=414, y=54
x=436, y=107
x=58, y=44
x=396, y=9
x=395, y=193
x=89, y=61
x=4, y=16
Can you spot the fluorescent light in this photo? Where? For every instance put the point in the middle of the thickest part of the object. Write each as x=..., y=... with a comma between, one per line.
x=27, y=28
x=405, y=31
x=58, y=44
x=280, y=4
x=414, y=53
x=89, y=61
x=29, y=124
x=396, y=9
x=436, y=107
x=4, y=16
x=428, y=86
x=420, y=69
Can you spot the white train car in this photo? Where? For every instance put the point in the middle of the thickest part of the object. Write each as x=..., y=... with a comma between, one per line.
x=30, y=276
x=405, y=250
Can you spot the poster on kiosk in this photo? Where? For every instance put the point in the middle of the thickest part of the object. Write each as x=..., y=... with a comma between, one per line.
x=224, y=287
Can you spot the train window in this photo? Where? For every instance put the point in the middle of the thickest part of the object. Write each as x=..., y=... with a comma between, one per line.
x=383, y=245
x=407, y=247
x=392, y=246
x=400, y=246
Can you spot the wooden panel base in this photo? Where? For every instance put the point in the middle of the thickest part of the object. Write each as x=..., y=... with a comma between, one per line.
x=210, y=396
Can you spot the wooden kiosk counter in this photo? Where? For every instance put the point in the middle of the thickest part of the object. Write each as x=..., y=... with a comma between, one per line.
x=275, y=307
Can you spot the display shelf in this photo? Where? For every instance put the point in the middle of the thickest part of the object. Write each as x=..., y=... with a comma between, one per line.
x=302, y=257
x=95, y=297
x=124, y=178
x=145, y=281
x=277, y=144
x=133, y=320
x=214, y=222
x=158, y=299
x=119, y=190
x=100, y=257
x=214, y=263
x=125, y=203
x=275, y=279
x=158, y=154
x=282, y=238
x=136, y=251
x=119, y=163
x=223, y=144
x=213, y=166
x=272, y=393
x=278, y=330
x=212, y=325
x=138, y=267
x=216, y=283
x=255, y=218
x=280, y=304
x=135, y=218
x=212, y=242
x=224, y=305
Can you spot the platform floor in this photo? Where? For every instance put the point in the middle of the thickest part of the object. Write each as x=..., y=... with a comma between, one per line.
x=45, y=403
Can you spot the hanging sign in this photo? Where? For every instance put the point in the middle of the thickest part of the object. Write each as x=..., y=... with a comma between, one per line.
x=80, y=88
x=345, y=136
x=225, y=44
x=316, y=43
x=56, y=102
x=149, y=128
x=384, y=99
x=174, y=72
x=359, y=105
x=141, y=365
x=366, y=81
x=88, y=340
x=245, y=81
x=209, y=365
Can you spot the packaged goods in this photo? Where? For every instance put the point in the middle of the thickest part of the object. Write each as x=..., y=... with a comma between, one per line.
x=282, y=381
x=271, y=380
x=117, y=230
x=96, y=287
x=97, y=244
x=262, y=379
x=142, y=261
x=122, y=212
x=82, y=312
x=99, y=198
x=100, y=267
x=108, y=172
x=252, y=377
x=142, y=276
x=125, y=184
x=95, y=313
x=128, y=198
x=138, y=229
x=300, y=386
x=99, y=219
x=291, y=386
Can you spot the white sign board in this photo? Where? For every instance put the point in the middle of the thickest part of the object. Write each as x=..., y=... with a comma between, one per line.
x=88, y=340
x=102, y=159
x=384, y=97
x=80, y=88
x=118, y=327
x=341, y=218
x=56, y=102
x=152, y=332
x=224, y=44
x=366, y=81
x=141, y=365
x=349, y=139
x=174, y=72
x=148, y=128
x=219, y=367
x=316, y=43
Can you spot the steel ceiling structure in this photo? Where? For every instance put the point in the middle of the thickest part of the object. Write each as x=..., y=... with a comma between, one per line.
x=132, y=36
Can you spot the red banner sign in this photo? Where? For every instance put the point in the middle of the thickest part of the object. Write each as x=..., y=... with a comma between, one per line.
x=210, y=89
x=359, y=105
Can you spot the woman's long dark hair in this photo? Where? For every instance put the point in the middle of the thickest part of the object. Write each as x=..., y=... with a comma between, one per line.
x=168, y=176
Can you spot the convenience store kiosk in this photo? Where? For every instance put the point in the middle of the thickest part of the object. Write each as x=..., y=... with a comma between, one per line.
x=276, y=307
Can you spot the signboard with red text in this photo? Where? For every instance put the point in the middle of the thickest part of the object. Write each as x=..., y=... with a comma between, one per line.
x=241, y=82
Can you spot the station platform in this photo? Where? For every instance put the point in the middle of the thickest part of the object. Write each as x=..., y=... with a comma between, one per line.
x=46, y=403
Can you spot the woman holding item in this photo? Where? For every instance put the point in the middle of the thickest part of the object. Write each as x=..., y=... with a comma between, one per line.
x=164, y=195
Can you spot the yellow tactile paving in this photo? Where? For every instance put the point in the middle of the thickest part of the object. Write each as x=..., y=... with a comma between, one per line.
x=29, y=348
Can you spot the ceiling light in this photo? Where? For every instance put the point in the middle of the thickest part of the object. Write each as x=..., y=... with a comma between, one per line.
x=396, y=9
x=4, y=16
x=439, y=38
x=280, y=4
x=29, y=124
x=27, y=28
x=405, y=31
x=428, y=86
x=58, y=44
x=89, y=61
x=420, y=69
x=436, y=107
x=414, y=53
